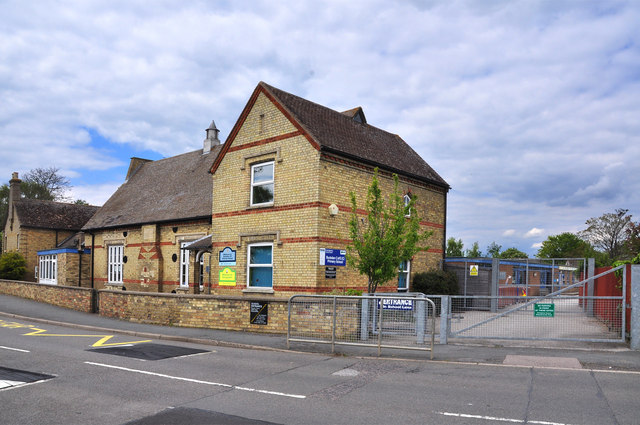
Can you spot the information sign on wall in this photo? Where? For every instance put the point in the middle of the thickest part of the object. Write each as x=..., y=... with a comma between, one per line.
x=473, y=270
x=227, y=257
x=329, y=272
x=258, y=312
x=333, y=257
x=227, y=277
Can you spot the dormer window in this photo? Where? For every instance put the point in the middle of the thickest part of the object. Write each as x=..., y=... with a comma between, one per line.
x=262, y=184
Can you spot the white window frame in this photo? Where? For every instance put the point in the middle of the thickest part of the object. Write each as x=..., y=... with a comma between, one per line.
x=407, y=201
x=185, y=259
x=271, y=182
x=249, y=265
x=115, y=264
x=407, y=272
x=48, y=269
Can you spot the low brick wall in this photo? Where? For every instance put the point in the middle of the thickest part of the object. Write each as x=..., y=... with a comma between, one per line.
x=230, y=313
x=63, y=296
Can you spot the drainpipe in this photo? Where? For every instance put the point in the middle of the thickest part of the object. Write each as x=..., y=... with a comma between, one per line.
x=94, y=293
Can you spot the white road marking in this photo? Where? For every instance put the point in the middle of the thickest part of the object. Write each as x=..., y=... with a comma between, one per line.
x=6, y=383
x=495, y=419
x=197, y=381
x=15, y=349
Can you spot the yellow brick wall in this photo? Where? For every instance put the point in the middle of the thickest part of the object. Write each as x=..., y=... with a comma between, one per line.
x=292, y=214
x=150, y=251
x=304, y=185
x=28, y=241
x=339, y=178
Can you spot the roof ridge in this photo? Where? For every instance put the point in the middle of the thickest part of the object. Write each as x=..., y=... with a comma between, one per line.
x=57, y=202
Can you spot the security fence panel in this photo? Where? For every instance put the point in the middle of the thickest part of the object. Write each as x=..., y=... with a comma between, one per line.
x=381, y=321
x=567, y=314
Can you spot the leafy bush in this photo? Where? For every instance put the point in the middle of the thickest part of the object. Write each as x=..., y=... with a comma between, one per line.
x=435, y=282
x=346, y=291
x=13, y=266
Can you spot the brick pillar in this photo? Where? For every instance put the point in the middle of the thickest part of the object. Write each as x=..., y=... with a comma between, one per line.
x=150, y=259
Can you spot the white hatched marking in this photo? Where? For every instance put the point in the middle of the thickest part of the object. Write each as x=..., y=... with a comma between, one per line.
x=196, y=381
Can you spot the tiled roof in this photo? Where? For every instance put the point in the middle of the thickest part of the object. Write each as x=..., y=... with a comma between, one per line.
x=176, y=188
x=53, y=215
x=339, y=133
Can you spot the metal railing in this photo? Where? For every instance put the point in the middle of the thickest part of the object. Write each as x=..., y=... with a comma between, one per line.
x=382, y=321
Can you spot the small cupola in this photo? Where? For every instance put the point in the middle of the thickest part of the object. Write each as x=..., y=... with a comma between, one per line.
x=212, y=138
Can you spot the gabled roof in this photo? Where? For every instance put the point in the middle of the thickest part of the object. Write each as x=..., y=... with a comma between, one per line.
x=52, y=215
x=171, y=189
x=339, y=133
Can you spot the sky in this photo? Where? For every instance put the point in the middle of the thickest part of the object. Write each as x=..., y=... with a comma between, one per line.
x=530, y=110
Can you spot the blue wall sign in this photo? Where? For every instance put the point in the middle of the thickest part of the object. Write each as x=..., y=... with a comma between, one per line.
x=395, y=304
x=227, y=257
x=333, y=257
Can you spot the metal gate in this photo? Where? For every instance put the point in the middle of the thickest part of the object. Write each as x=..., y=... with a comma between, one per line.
x=570, y=313
x=382, y=321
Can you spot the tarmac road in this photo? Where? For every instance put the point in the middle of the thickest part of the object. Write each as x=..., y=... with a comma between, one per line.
x=92, y=375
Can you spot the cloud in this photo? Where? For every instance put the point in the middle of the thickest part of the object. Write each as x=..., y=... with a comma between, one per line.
x=534, y=232
x=529, y=109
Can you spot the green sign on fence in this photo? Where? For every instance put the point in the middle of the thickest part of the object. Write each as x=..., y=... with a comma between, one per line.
x=544, y=310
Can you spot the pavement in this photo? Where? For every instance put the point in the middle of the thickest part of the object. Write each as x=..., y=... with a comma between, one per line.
x=565, y=355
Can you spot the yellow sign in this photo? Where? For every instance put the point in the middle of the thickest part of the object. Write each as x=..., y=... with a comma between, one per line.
x=473, y=270
x=227, y=277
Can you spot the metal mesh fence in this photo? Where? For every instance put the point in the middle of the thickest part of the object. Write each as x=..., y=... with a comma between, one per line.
x=511, y=277
x=570, y=318
x=377, y=321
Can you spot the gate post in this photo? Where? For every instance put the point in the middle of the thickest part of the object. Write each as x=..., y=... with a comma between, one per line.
x=364, y=320
x=445, y=318
x=591, y=286
x=495, y=278
x=421, y=307
x=635, y=306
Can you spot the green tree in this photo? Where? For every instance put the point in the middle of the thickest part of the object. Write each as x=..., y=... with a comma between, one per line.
x=474, y=252
x=389, y=235
x=565, y=245
x=632, y=242
x=12, y=266
x=493, y=250
x=4, y=204
x=45, y=183
x=455, y=248
x=607, y=232
x=40, y=183
x=512, y=253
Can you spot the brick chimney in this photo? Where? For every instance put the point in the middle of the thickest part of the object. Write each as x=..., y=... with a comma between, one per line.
x=14, y=188
x=212, y=138
x=14, y=195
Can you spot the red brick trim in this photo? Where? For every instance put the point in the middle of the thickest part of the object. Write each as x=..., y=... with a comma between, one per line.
x=265, y=141
x=369, y=168
x=245, y=113
x=316, y=204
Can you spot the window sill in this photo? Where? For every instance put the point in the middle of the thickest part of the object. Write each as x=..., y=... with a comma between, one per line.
x=258, y=206
x=258, y=291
